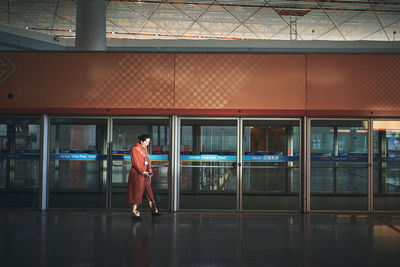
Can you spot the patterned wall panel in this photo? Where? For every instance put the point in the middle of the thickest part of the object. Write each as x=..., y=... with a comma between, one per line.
x=200, y=82
x=109, y=80
x=353, y=82
x=21, y=80
x=240, y=81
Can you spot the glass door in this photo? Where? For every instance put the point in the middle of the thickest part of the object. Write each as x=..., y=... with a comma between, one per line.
x=78, y=163
x=339, y=164
x=124, y=135
x=19, y=162
x=208, y=163
x=386, y=185
x=270, y=164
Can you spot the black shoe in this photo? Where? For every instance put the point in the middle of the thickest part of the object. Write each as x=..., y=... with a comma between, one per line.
x=155, y=212
x=135, y=216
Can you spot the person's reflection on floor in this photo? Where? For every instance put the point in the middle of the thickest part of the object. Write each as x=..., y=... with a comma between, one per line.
x=140, y=243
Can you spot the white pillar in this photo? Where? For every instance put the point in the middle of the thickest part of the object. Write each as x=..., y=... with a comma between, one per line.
x=91, y=25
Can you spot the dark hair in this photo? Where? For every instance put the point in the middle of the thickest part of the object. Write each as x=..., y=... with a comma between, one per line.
x=143, y=137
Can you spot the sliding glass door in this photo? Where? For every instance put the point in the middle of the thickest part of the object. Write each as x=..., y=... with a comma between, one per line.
x=270, y=164
x=78, y=163
x=124, y=135
x=208, y=163
x=386, y=192
x=339, y=164
x=20, y=149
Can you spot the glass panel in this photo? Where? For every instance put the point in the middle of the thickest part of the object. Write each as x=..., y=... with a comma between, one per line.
x=78, y=163
x=19, y=162
x=208, y=164
x=125, y=133
x=339, y=165
x=387, y=165
x=270, y=165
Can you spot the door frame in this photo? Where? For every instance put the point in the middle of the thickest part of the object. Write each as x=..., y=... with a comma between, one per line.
x=45, y=191
x=239, y=158
x=178, y=153
x=301, y=189
x=371, y=191
x=110, y=149
x=308, y=163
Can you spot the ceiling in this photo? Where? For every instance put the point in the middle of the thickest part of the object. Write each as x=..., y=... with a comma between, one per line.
x=343, y=20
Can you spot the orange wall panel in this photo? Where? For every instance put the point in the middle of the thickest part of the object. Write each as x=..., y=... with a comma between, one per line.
x=21, y=74
x=164, y=83
x=353, y=82
x=109, y=80
x=240, y=81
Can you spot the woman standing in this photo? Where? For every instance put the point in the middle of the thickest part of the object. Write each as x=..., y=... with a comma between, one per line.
x=139, y=178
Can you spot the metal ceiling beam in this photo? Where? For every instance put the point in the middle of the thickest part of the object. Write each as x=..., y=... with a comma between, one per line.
x=289, y=6
x=242, y=22
x=54, y=17
x=380, y=23
x=394, y=22
x=292, y=5
x=288, y=24
x=330, y=19
x=195, y=20
x=148, y=19
x=8, y=12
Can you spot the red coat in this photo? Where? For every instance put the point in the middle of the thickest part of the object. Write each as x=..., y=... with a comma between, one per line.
x=137, y=182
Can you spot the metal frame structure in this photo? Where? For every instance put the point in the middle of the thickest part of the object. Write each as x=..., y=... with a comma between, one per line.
x=178, y=157
x=371, y=143
x=308, y=159
x=175, y=123
x=301, y=192
x=107, y=147
x=110, y=149
x=344, y=20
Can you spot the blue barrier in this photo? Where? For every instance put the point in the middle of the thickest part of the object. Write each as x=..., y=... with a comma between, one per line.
x=270, y=158
x=78, y=156
x=209, y=157
x=340, y=158
x=343, y=157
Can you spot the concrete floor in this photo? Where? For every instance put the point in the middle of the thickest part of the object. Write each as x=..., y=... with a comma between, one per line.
x=74, y=238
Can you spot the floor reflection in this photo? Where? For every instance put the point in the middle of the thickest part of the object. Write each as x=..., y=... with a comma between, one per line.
x=197, y=239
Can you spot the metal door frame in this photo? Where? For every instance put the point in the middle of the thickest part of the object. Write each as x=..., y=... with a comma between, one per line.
x=41, y=189
x=301, y=189
x=178, y=154
x=46, y=191
x=110, y=149
x=308, y=163
x=371, y=191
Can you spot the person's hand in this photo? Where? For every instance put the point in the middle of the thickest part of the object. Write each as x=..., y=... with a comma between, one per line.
x=148, y=174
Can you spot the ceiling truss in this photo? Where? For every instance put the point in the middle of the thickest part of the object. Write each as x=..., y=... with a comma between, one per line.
x=217, y=19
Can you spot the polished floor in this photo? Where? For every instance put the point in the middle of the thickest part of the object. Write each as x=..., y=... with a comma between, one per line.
x=73, y=238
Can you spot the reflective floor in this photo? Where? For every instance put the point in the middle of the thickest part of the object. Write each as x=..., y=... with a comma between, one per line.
x=72, y=238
